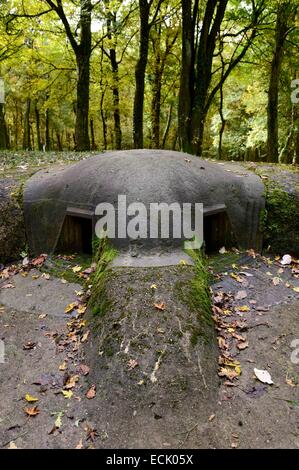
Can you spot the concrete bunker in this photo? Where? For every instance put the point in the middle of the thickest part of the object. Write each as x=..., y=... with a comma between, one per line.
x=60, y=203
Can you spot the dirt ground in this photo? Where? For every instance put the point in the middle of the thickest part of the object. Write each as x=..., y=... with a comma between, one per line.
x=47, y=356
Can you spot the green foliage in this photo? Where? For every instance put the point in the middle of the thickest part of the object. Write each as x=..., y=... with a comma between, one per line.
x=37, y=63
x=280, y=220
x=104, y=254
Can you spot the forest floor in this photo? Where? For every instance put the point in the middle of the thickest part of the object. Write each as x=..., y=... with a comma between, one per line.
x=256, y=305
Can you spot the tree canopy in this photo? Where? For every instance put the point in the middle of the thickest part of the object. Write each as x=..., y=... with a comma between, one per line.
x=213, y=78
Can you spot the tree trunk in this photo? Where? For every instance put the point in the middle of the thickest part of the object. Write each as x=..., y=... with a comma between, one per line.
x=93, y=143
x=27, y=134
x=272, y=109
x=111, y=28
x=144, y=10
x=214, y=14
x=47, y=131
x=82, y=105
x=3, y=131
x=187, y=78
x=167, y=128
x=38, y=134
x=156, y=107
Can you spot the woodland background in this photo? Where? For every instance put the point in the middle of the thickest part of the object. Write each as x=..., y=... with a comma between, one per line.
x=213, y=78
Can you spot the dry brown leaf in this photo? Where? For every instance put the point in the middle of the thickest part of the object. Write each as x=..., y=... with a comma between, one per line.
x=242, y=345
x=32, y=411
x=161, y=306
x=84, y=369
x=85, y=337
x=132, y=364
x=71, y=382
x=91, y=392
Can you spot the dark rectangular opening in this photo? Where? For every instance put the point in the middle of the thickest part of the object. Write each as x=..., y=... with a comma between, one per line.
x=217, y=231
x=75, y=236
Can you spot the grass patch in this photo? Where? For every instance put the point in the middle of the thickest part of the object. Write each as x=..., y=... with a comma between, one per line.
x=197, y=296
x=104, y=253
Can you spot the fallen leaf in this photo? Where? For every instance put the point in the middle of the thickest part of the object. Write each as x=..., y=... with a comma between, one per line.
x=161, y=306
x=242, y=345
x=77, y=269
x=82, y=309
x=39, y=261
x=63, y=366
x=263, y=376
x=58, y=421
x=12, y=445
x=243, y=308
x=80, y=445
x=30, y=399
x=67, y=393
x=228, y=373
x=222, y=250
x=29, y=345
x=91, y=392
x=276, y=281
x=32, y=411
x=154, y=286
x=71, y=307
x=285, y=260
x=85, y=336
x=83, y=369
x=236, y=277
x=132, y=364
x=45, y=276
x=240, y=295
x=71, y=382
x=296, y=289
x=290, y=383
x=211, y=418
x=8, y=286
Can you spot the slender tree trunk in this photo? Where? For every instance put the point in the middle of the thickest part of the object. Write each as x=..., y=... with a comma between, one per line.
x=47, y=131
x=82, y=105
x=223, y=121
x=27, y=133
x=59, y=142
x=111, y=27
x=156, y=107
x=104, y=120
x=186, y=93
x=214, y=14
x=3, y=132
x=144, y=10
x=272, y=110
x=167, y=128
x=38, y=133
x=93, y=143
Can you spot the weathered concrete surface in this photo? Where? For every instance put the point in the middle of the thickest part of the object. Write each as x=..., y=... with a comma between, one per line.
x=148, y=260
x=37, y=294
x=145, y=176
x=12, y=226
x=250, y=415
x=156, y=371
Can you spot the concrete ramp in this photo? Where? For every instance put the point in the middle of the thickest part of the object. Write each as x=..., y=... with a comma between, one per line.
x=153, y=358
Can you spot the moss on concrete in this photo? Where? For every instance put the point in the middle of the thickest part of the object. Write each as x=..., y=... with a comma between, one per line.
x=104, y=253
x=280, y=220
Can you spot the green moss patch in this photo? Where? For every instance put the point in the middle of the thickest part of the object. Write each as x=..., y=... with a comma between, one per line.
x=280, y=220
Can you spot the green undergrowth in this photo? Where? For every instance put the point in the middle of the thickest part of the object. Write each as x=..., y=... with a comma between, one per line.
x=280, y=220
x=63, y=269
x=104, y=253
x=197, y=296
